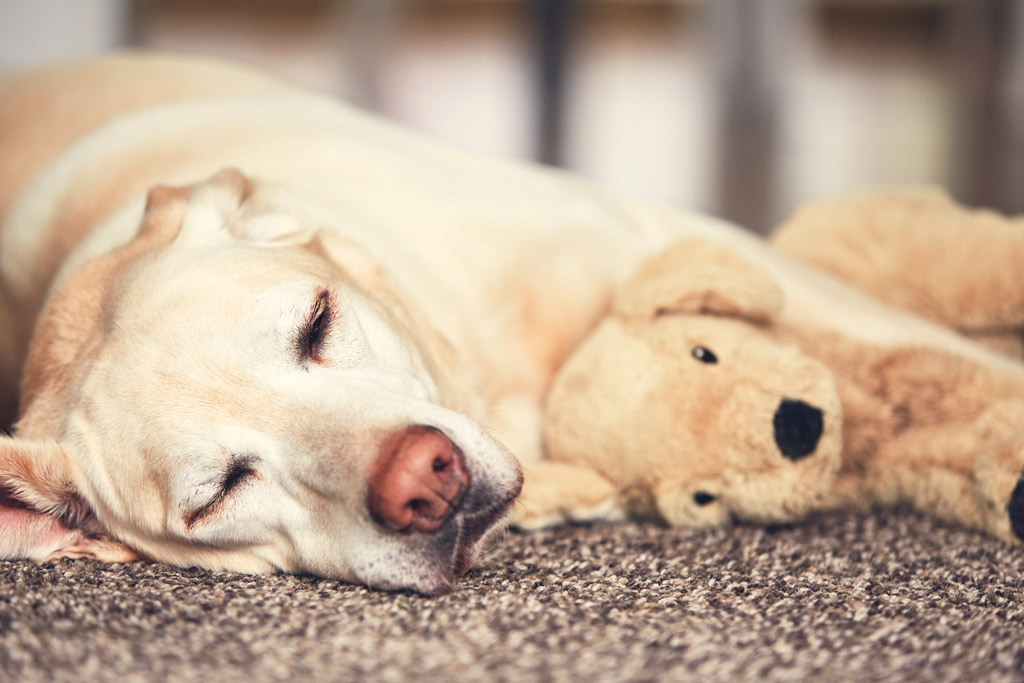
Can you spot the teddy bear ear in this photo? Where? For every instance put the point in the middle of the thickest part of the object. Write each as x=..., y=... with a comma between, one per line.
x=697, y=277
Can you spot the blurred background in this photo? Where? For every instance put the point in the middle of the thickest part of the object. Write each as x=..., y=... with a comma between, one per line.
x=740, y=108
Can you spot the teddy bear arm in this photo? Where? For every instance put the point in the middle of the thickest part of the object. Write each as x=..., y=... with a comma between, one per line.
x=918, y=251
x=970, y=474
x=934, y=488
x=558, y=492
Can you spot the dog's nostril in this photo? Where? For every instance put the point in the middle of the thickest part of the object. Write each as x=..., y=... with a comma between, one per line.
x=417, y=481
x=798, y=427
x=421, y=508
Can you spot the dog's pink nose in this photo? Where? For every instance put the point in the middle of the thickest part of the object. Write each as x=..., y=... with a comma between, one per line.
x=418, y=480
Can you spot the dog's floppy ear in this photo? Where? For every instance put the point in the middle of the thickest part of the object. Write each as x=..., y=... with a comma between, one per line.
x=218, y=209
x=188, y=212
x=697, y=277
x=41, y=515
x=213, y=206
x=163, y=215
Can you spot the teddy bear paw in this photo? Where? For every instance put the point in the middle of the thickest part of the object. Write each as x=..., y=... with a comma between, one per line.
x=1015, y=509
x=608, y=511
x=555, y=493
x=999, y=493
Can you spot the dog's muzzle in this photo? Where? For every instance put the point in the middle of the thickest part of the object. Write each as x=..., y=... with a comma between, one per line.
x=433, y=509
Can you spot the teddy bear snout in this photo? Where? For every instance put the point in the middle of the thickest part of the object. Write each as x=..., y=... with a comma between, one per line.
x=798, y=428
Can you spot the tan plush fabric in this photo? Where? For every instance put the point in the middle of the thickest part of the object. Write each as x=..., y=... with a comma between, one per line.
x=922, y=252
x=705, y=392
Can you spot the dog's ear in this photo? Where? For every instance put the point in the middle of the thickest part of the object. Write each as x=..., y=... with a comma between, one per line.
x=219, y=209
x=213, y=206
x=192, y=211
x=694, y=276
x=42, y=516
x=164, y=213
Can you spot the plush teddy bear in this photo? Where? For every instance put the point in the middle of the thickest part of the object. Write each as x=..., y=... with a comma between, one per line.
x=705, y=397
x=920, y=251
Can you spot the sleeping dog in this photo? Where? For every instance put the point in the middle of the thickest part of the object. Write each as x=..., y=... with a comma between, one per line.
x=256, y=330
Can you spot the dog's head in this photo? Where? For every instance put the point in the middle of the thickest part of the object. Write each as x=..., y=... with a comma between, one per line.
x=687, y=399
x=237, y=389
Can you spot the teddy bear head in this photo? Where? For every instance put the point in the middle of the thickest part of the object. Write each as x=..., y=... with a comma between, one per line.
x=686, y=398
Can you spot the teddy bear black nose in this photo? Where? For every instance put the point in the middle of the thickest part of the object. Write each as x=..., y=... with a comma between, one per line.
x=798, y=428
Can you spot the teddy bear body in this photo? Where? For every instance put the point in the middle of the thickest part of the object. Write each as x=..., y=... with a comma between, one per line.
x=925, y=427
x=705, y=397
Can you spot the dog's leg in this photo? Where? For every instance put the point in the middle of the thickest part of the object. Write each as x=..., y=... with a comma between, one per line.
x=515, y=421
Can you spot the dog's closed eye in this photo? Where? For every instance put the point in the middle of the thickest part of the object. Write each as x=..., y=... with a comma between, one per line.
x=315, y=330
x=240, y=470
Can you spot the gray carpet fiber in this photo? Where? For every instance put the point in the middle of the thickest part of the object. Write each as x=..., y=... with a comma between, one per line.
x=859, y=596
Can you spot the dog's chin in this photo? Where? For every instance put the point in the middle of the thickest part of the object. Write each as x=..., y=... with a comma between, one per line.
x=461, y=542
x=478, y=533
x=432, y=563
x=473, y=534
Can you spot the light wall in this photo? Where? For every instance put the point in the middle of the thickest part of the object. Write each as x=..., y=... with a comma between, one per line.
x=860, y=102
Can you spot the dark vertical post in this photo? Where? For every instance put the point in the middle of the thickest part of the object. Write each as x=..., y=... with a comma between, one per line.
x=749, y=52
x=981, y=42
x=1013, y=113
x=135, y=15
x=367, y=30
x=552, y=20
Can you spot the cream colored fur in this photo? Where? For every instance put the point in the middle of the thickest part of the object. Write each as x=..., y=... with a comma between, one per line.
x=152, y=302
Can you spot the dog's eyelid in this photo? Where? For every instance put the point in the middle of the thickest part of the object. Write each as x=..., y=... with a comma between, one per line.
x=240, y=469
x=317, y=326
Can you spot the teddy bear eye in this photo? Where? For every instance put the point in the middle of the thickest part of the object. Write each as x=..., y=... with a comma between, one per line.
x=704, y=355
x=703, y=498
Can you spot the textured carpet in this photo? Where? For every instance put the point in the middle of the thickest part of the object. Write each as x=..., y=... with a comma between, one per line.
x=872, y=596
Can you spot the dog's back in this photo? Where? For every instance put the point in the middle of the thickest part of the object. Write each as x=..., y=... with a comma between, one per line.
x=44, y=112
x=494, y=239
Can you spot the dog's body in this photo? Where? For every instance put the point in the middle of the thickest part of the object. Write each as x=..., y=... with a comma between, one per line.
x=261, y=375
x=408, y=204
